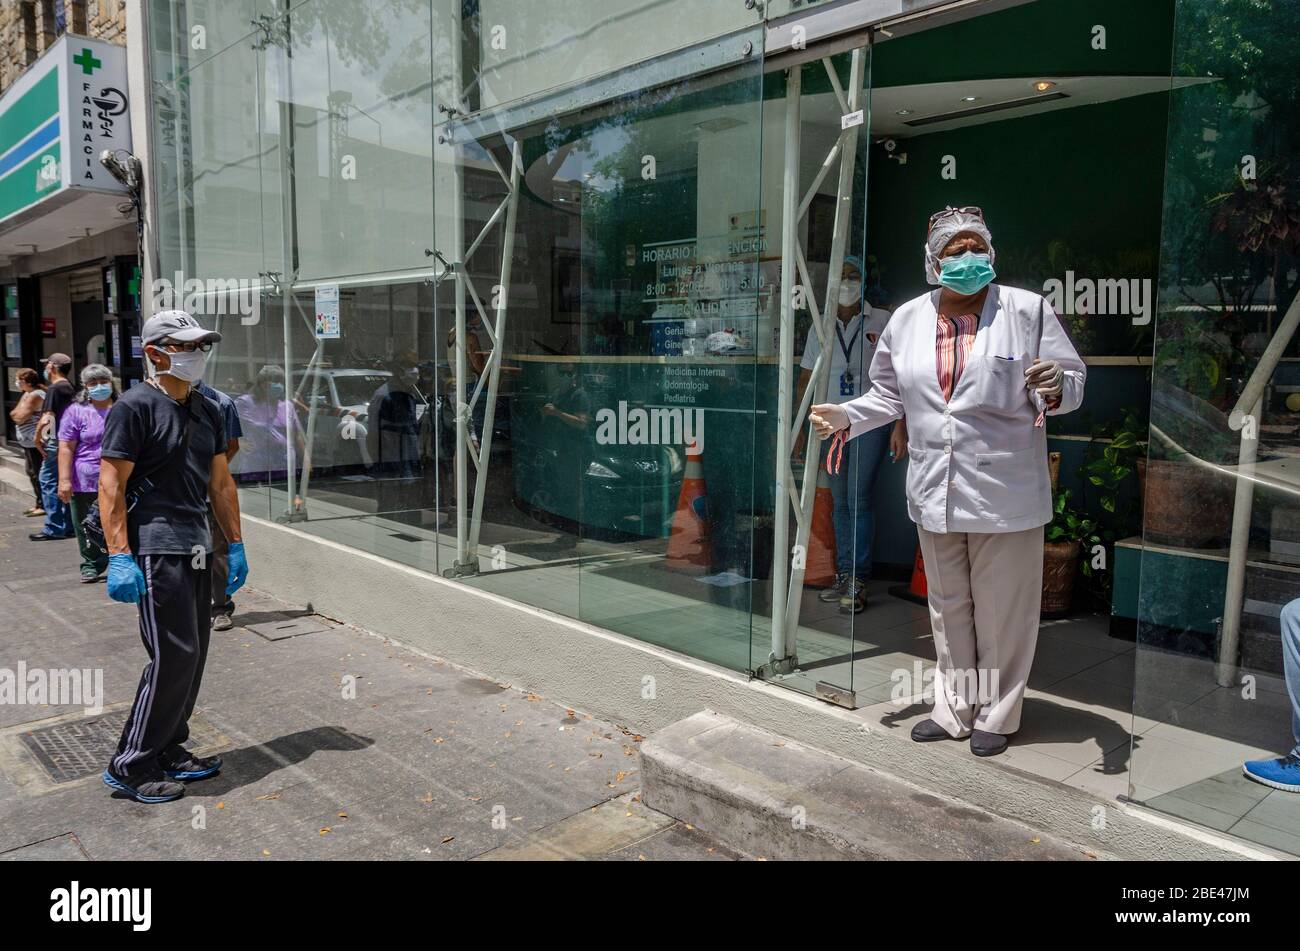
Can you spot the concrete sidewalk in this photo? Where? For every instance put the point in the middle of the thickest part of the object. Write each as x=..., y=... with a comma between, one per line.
x=337, y=743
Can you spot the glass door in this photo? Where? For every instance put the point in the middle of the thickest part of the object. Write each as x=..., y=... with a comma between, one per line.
x=815, y=527
x=1216, y=726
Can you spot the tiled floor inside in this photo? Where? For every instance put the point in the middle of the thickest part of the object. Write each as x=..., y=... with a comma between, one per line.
x=1178, y=748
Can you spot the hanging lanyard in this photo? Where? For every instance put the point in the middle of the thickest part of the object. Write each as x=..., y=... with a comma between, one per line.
x=847, y=350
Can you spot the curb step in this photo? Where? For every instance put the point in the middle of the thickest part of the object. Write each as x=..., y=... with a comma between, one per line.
x=779, y=799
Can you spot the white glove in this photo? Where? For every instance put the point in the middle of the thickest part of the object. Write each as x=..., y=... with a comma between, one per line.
x=827, y=419
x=1047, y=378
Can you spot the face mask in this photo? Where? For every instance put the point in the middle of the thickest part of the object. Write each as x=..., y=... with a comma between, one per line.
x=276, y=390
x=46, y=373
x=966, y=273
x=187, y=366
x=100, y=391
x=850, y=293
x=412, y=373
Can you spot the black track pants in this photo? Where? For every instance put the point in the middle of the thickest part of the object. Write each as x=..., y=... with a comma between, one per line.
x=175, y=623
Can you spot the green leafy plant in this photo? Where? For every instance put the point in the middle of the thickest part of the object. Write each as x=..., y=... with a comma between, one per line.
x=1108, y=473
x=1070, y=525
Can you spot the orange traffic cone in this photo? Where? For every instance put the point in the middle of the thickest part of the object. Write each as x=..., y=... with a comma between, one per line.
x=819, y=571
x=689, y=546
x=916, y=591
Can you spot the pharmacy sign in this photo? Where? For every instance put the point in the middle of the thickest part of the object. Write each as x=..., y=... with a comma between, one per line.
x=68, y=106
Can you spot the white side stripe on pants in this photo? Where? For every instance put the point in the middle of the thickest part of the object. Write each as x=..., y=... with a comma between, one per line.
x=144, y=702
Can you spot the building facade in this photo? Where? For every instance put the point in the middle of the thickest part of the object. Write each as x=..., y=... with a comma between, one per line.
x=68, y=232
x=513, y=297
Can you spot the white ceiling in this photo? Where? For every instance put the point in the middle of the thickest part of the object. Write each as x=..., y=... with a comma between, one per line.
x=932, y=99
x=68, y=216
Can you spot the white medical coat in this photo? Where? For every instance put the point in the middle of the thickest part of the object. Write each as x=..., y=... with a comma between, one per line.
x=977, y=463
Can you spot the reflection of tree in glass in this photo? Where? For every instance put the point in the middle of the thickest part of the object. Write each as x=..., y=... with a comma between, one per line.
x=1227, y=237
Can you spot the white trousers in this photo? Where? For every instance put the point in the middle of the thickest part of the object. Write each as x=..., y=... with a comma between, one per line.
x=985, y=593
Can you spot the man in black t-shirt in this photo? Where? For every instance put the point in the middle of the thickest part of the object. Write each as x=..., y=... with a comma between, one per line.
x=58, y=397
x=163, y=457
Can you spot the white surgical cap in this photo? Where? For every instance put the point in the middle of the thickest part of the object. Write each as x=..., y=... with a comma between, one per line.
x=944, y=230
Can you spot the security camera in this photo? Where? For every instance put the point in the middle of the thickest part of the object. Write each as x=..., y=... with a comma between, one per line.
x=123, y=166
x=890, y=145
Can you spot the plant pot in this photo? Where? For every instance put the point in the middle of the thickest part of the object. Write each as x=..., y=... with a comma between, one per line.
x=1060, y=569
x=1184, y=504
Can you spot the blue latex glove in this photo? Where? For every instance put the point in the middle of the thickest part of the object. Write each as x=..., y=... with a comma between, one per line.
x=125, y=579
x=238, y=570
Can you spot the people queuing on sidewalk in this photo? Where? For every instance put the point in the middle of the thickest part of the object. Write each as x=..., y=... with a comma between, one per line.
x=25, y=415
x=81, y=432
x=58, y=397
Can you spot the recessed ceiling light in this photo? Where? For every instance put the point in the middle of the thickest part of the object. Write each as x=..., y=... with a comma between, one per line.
x=969, y=98
x=903, y=112
x=1043, y=85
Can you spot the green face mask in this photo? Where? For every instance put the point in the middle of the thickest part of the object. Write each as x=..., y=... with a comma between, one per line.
x=966, y=273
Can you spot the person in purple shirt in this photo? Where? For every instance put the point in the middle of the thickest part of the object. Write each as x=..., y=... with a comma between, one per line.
x=81, y=430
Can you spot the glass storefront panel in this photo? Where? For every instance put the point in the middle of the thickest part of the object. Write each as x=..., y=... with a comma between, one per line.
x=522, y=49
x=580, y=235
x=517, y=291
x=216, y=215
x=1216, y=673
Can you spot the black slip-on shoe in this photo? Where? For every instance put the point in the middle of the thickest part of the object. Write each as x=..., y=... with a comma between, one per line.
x=984, y=743
x=927, y=731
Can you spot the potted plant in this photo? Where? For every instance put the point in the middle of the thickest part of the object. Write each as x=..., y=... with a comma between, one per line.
x=1116, y=455
x=1064, y=541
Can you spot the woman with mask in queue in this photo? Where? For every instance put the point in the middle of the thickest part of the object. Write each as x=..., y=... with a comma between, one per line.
x=25, y=414
x=81, y=433
x=975, y=367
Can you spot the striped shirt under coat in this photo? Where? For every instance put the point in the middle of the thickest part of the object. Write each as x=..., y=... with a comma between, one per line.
x=976, y=460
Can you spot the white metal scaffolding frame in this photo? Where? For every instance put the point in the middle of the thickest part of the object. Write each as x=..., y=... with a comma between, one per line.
x=469, y=514
x=788, y=565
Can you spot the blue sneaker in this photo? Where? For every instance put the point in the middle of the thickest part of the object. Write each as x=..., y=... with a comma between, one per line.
x=184, y=765
x=151, y=789
x=1281, y=773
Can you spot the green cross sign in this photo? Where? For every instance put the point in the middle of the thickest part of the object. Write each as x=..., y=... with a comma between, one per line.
x=86, y=60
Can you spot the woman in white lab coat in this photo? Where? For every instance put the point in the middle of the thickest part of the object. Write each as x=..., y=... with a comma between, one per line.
x=974, y=367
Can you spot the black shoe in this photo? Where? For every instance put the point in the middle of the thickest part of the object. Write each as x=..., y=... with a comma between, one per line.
x=927, y=731
x=836, y=590
x=854, y=598
x=984, y=743
x=89, y=575
x=181, y=764
x=146, y=789
x=42, y=537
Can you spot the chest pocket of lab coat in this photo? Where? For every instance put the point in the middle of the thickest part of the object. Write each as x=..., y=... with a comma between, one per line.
x=1000, y=385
